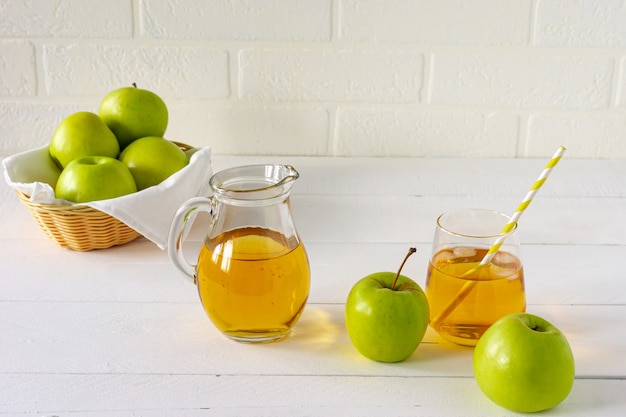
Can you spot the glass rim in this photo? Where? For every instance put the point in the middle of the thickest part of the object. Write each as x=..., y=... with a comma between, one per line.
x=223, y=180
x=475, y=236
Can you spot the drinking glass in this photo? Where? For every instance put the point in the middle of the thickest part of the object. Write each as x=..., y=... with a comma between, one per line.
x=465, y=298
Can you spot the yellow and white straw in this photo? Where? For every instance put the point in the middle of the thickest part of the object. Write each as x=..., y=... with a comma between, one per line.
x=469, y=285
x=520, y=209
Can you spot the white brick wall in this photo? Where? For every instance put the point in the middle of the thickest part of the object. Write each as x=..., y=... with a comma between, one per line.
x=461, y=78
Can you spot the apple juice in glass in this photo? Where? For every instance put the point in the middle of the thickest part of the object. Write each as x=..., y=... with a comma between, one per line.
x=466, y=299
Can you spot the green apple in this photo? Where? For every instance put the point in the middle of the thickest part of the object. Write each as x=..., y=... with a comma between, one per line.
x=153, y=159
x=93, y=178
x=133, y=113
x=524, y=363
x=387, y=315
x=82, y=134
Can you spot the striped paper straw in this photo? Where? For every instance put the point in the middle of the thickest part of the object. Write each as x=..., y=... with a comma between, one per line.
x=520, y=209
x=469, y=285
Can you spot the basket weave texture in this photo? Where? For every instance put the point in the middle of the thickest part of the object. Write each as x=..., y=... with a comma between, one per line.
x=80, y=228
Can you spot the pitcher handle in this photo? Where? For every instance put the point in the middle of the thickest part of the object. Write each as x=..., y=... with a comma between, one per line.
x=181, y=223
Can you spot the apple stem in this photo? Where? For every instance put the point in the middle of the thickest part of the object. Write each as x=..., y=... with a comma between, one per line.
x=395, y=280
x=135, y=85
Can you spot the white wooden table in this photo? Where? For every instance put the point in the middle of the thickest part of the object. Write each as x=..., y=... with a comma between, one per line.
x=120, y=332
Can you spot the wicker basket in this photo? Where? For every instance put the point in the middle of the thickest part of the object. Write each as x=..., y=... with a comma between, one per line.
x=79, y=227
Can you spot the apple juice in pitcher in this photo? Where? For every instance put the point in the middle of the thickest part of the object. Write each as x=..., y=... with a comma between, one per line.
x=252, y=274
x=253, y=280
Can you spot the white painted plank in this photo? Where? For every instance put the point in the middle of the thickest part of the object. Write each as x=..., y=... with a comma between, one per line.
x=333, y=219
x=177, y=338
x=176, y=395
x=139, y=272
x=412, y=219
x=446, y=176
x=554, y=274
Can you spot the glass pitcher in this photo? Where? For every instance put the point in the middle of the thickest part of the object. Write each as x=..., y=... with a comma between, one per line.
x=252, y=273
